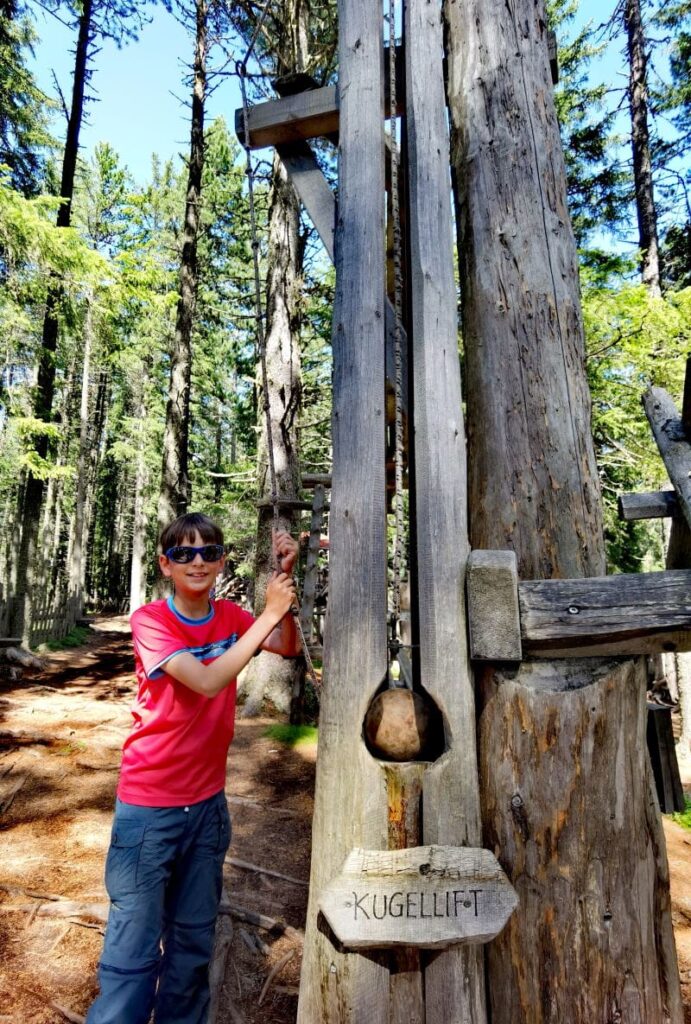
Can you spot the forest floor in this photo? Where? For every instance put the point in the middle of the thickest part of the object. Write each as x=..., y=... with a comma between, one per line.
x=60, y=737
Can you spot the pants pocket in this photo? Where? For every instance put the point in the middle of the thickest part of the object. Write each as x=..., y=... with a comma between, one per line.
x=224, y=828
x=123, y=858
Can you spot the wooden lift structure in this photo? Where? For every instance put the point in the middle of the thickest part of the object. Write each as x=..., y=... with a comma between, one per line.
x=401, y=891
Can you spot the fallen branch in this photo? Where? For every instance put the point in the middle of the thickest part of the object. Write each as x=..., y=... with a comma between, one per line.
x=6, y=800
x=269, y=924
x=276, y=969
x=75, y=1018
x=247, y=866
x=64, y=908
x=244, y=801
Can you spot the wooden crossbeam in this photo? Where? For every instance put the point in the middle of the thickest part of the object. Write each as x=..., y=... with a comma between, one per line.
x=672, y=442
x=636, y=613
x=648, y=505
x=305, y=115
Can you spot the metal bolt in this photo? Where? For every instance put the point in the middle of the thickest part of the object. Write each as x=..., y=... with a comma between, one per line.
x=573, y=609
x=516, y=801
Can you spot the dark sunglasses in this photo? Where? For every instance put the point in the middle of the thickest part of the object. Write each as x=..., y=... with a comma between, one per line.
x=183, y=553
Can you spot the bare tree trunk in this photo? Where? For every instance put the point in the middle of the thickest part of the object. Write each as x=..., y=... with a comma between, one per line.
x=77, y=531
x=175, y=487
x=640, y=145
x=45, y=385
x=564, y=781
x=270, y=675
x=139, y=519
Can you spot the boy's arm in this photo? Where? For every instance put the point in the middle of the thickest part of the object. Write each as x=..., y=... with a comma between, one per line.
x=210, y=679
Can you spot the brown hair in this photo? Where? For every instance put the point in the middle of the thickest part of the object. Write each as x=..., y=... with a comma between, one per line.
x=184, y=527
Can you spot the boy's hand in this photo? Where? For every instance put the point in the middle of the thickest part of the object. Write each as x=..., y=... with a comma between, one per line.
x=285, y=550
x=280, y=595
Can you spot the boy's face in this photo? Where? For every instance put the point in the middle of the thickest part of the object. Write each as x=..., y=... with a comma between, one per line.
x=195, y=578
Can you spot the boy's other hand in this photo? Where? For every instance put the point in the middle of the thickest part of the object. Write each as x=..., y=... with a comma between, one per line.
x=280, y=595
x=285, y=550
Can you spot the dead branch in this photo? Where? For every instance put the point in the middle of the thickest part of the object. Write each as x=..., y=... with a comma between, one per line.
x=247, y=866
x=6, y=800
x=269, y=924
x=245, y=802
x=75, y=1018
x=276, y=969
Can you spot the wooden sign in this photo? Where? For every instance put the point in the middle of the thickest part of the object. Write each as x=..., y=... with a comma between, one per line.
x=425, y=896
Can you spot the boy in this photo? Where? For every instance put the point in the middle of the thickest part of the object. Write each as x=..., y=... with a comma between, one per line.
x=171, y=828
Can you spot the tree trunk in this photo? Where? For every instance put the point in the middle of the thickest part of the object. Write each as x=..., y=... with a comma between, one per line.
x=175, y=486
x=640, y=145
x=269, y=675
x=45, y=384
x=77, y=532
x=561, y=743
x=139, y=519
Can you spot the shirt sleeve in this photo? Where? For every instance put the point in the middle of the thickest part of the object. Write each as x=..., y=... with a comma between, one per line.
x=155, y=640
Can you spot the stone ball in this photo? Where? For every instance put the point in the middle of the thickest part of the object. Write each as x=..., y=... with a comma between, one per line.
x=397, y=725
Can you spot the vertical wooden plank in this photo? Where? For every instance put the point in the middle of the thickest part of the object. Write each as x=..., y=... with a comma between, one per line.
x=454, y=979
x=350, y=799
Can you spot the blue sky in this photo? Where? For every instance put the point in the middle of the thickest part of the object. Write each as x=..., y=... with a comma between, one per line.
x=143, y=102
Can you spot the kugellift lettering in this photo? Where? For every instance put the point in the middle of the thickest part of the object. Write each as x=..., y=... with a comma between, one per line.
x=452, y=903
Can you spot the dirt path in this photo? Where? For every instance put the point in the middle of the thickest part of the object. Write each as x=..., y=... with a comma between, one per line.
x=60, y=738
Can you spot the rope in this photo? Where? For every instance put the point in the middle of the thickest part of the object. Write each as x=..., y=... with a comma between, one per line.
x=241, y=68
x=398, y=554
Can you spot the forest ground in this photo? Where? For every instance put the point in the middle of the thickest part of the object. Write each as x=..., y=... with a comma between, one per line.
x=60, y=737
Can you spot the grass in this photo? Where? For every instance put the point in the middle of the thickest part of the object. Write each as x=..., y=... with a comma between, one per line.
x=683, y=818
x=75, y=638
x=292, y=735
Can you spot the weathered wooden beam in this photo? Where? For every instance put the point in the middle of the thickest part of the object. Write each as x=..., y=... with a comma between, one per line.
x=686, y=401
x=305, y=115
x=663, y=759
x=308, y=480
x=320, y=203
x=637, y=613
x=290, y=504
x=312, y=189
x=650, y=505
x=672, y=442
x=494, y=619
x=454, y=979
x=350, y=798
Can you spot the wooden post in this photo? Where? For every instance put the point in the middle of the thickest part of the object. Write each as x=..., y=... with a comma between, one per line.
x=454, y=978
x=350, y=799
x=560, y=742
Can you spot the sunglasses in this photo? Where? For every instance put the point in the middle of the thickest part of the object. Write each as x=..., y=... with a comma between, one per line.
x=184, y=553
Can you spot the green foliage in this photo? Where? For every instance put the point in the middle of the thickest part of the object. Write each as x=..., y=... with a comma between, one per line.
x=24, y=135
x=683, y=818
x=633, y=341
x=76, y=637
x=293, y=735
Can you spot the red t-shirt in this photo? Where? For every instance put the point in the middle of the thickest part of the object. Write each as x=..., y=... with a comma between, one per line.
x=176, y=752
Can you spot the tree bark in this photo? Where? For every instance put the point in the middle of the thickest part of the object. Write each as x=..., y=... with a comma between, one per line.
x=139, y=518
x=269, y=675
x=45, y=384
x=558, y=745
x=77, y=531
x=640, y=146
x=175, y=486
